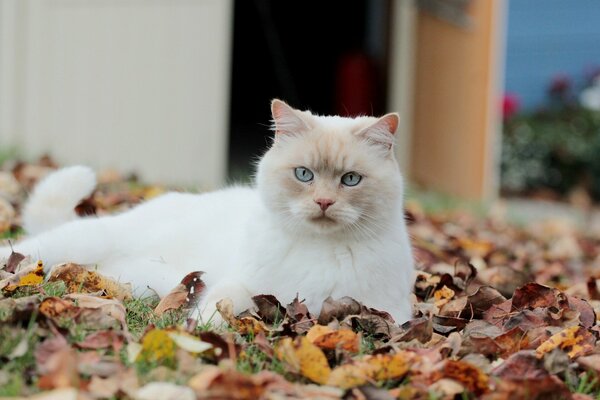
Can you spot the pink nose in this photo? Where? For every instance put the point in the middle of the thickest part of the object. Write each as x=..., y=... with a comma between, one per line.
x=324, y=203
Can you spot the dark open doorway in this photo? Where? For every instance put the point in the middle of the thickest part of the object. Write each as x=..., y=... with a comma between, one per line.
x=326, y=56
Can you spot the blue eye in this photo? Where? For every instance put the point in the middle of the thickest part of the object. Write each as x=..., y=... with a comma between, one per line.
x=304, y=174
x=351, y=179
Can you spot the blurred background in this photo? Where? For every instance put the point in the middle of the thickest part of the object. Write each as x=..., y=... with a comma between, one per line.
x=497, y=98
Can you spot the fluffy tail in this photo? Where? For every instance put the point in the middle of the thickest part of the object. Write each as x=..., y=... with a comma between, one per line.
x=54, y=199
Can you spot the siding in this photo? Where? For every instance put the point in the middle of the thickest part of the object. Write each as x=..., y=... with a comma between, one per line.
x=546, y=38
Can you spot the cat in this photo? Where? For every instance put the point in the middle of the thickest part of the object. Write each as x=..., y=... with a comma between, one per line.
x=324, y=218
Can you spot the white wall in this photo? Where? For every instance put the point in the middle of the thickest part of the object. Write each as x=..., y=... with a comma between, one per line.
x=137, y=85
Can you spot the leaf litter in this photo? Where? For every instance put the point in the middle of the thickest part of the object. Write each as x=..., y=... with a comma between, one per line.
x=501, y=311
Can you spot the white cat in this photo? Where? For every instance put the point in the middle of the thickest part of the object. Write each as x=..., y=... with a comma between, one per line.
x=324, y=219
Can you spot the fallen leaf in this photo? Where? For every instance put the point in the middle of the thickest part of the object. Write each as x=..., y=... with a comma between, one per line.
x=189, y=342
x=338, y=309
x=474, y=380
x=13, y=261
x=79, y=279
x=185, y=294
x=31, y=275
x=157, y=346
x=576, y=340
x=243, y=325
x=304, y=358
x=329, y=339
x=269, y=309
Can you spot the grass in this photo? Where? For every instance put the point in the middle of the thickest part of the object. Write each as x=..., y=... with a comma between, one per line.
x=434, y=202
x=140, y=314
x=585, y=383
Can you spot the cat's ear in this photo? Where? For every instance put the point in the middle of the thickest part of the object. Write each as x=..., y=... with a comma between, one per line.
x=287, y=120
x=381, y=133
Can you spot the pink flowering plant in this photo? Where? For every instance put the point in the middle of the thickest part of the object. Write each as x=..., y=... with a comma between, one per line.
x=555, y=148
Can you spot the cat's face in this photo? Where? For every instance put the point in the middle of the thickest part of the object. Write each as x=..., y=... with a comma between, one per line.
x=326, y=175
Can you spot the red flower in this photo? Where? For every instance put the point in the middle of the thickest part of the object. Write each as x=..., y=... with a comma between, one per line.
x=510, y=105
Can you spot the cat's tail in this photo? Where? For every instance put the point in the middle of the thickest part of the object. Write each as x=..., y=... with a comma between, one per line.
x=55, y=197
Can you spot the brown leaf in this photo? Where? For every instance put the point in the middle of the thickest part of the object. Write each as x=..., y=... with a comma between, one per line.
x=243, y=325
x=58, y=310
x=185, y=294
x=445, y=325
x=79, y=279
x=269, y=308
x=13, y=261
x=102, y=340
x=300, y=319
x=481, y=301
x=503, y=278
x=587, y=316
x=468, y=375
x=521, y=365
x=86, y=207
x=534, y=295
x=420, y=329
x=223, y=347
x=57, y=364
x=338, y=309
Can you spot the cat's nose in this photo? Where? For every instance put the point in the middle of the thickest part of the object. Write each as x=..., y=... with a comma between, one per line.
x=324, y=203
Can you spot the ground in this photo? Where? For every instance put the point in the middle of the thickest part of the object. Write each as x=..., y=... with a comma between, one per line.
x=502, y=310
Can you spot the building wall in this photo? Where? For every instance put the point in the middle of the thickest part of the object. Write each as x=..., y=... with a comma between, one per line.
x=546, y=38
x=136, y=85
x=456, y=102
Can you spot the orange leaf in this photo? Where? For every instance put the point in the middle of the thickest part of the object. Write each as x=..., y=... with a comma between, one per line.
x=576, y=340
x=327, y=338
x=305, y=358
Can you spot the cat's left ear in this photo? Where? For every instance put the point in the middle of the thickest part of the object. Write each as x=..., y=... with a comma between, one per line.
x=287, y=120
x=382, y=132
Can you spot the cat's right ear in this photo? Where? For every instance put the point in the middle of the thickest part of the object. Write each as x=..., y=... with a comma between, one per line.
x=286, y=120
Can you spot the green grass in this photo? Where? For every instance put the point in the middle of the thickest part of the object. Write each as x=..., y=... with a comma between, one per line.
x=585, y=383
x=434, y=202
x=16, y=369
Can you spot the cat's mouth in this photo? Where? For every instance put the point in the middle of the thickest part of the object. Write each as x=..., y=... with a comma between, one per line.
x=323, y=219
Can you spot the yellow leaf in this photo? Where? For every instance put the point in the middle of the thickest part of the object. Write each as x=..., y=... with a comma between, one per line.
x=317, y=330
x=389, y=366
x=33, y=278
x=31, y=275
x=304, y=357
x=576, y=340
x=243, y=325
x=443, y=295
x=380, y=367
x=157, y=346
x=350, y=375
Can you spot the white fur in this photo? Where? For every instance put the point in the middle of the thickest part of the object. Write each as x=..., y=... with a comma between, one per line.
x=54, y=199
x=256, y=240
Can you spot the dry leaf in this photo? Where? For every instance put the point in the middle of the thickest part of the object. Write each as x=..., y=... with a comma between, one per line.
x=326, y=338
x=304, y=358
x=243, y=325
x=79, y=279
x=185, y=294
x=31, y=275
x=576, y=340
